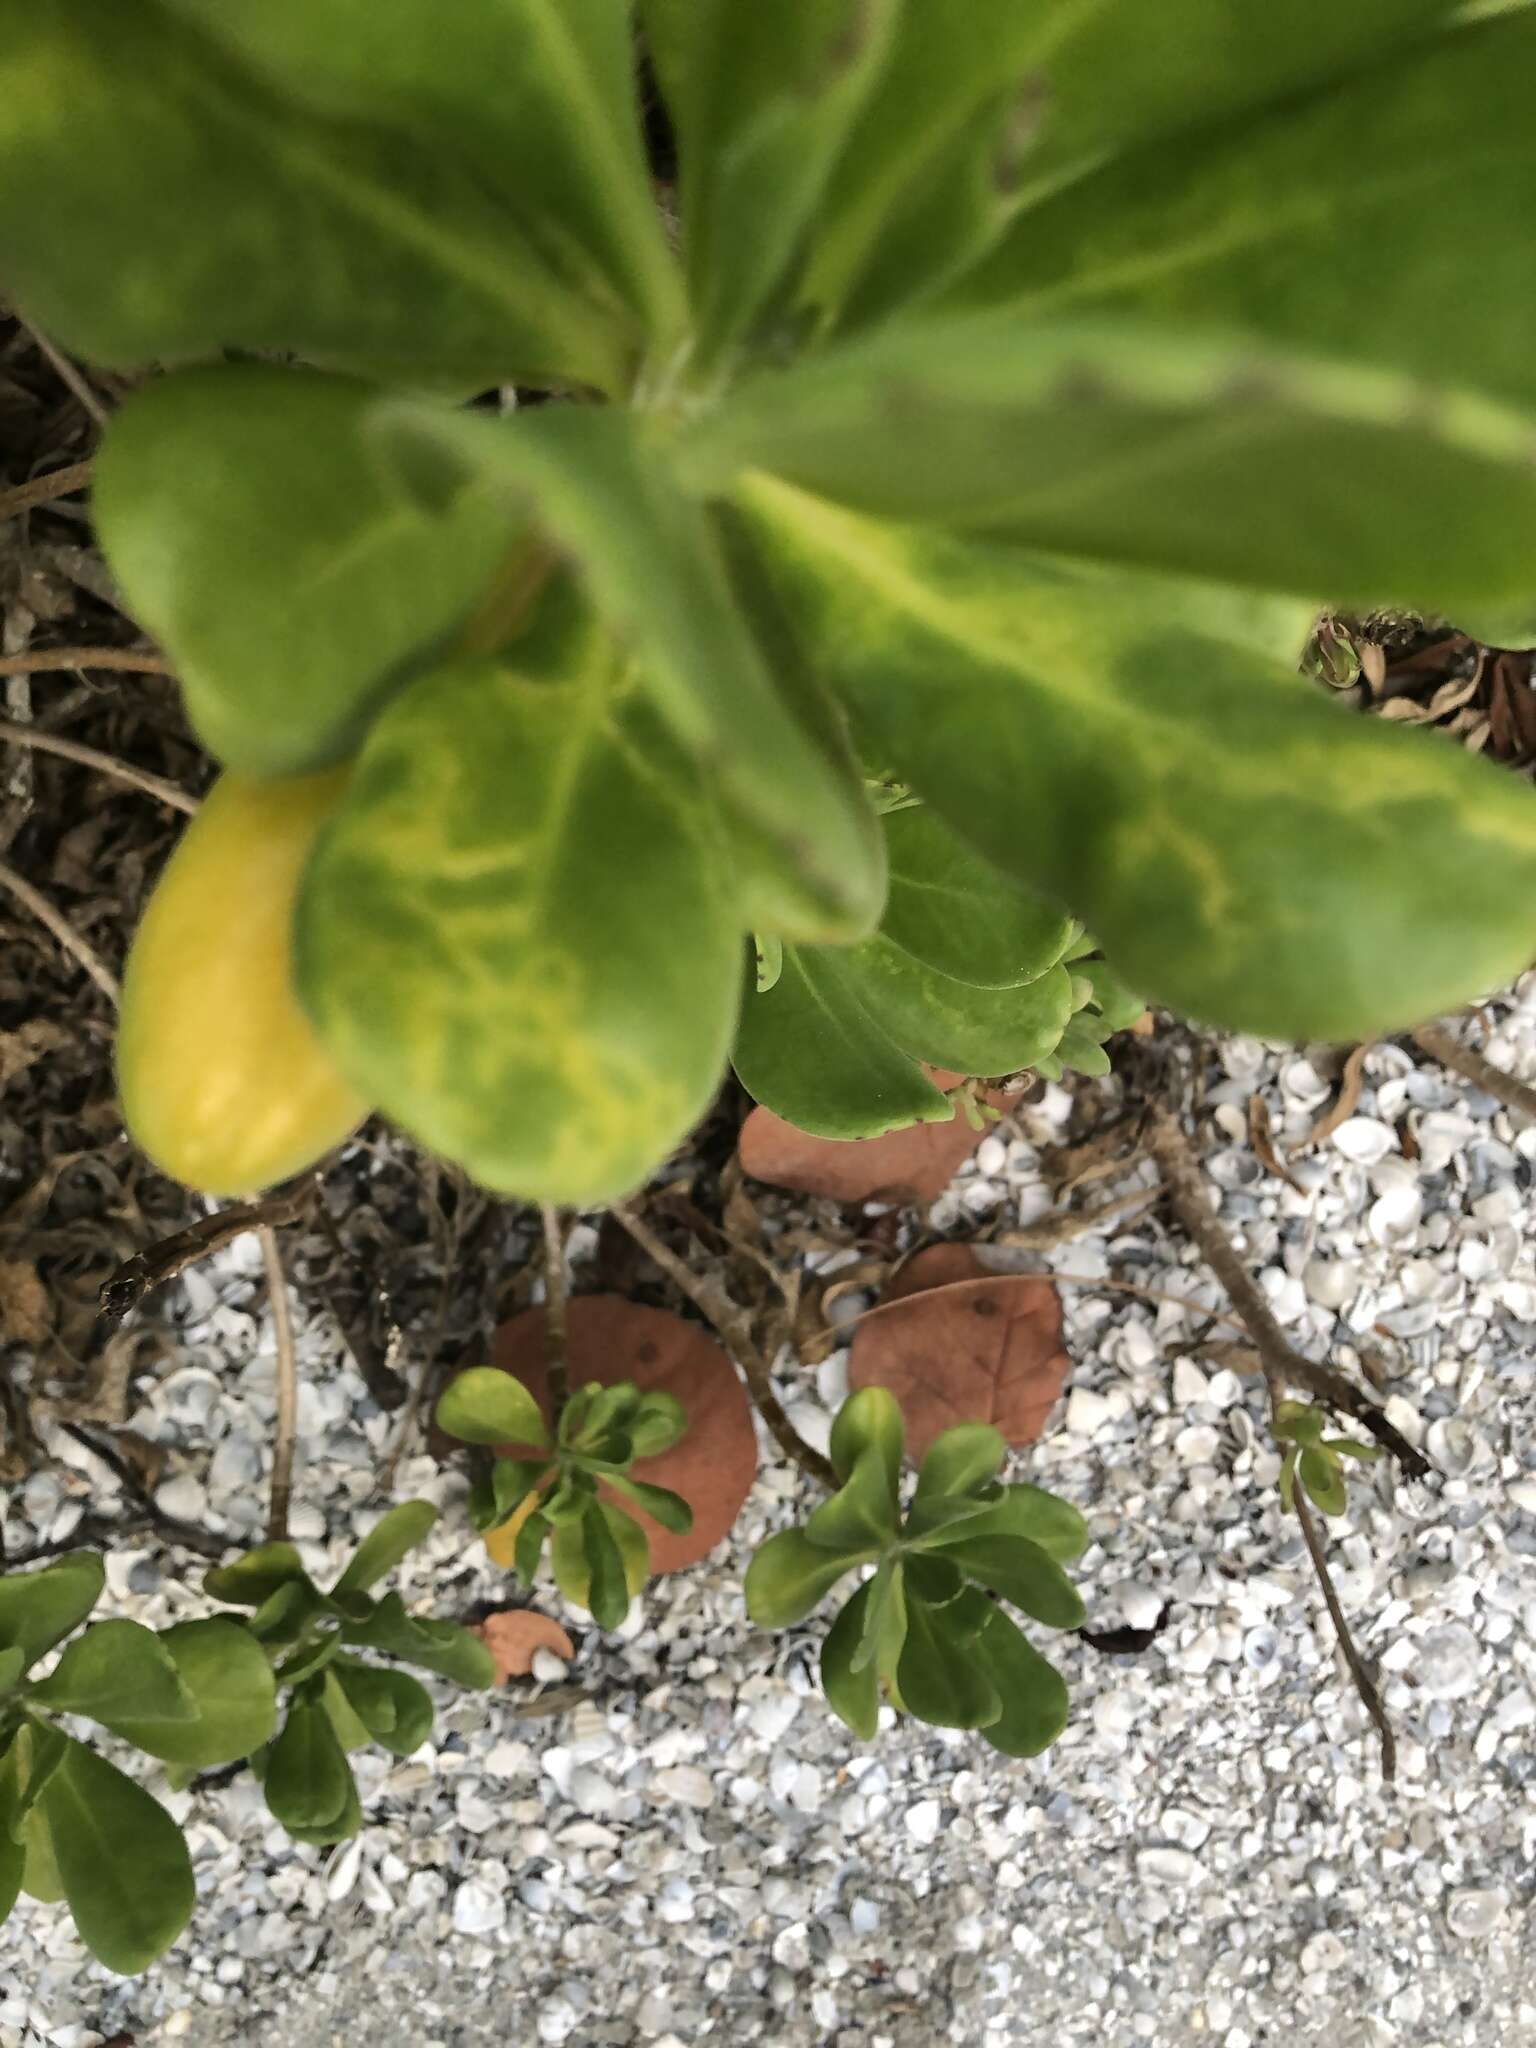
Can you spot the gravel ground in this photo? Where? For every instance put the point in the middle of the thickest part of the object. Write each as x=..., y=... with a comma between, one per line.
x=700, y=1852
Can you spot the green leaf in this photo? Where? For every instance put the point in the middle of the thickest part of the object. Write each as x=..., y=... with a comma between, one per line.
x=13, y=1663
x=339, y=240
x=121, y=1859
x=480, y=930
x=1021, y=1572
x=38, y=1750
x=885, y=1622
x=252, y=1580
x=1079, y=1050
x=285, y=1615
x=245, y=519
x=928, y=176
x=810, y=1051
x=1347, y=1447
x=486, y=1406
x=1117, y=756
x=939, y=1677
x=869, y=1420
x=535, y=97
x=529, y=1543
x=1321, y=1476
x=572, y=1567
x=225, y=1674
x=951, y=1024
x=974, y=420
x=117, y=1665
x=761, y=99
x=1258, y=225
x=860, y=1518
x=853, y=1693
x=351, y=1732
x=1033, y=1692
x=13, y=1855
x=309, y=1659
x=661, y=1423
x=307, y=1770
x=1299, y=1422
x=440, y=1646
x=395, y=1709
x=1120, y=72
x=497, y=1496
x=1118, y=1006
x=40, y=1608
x=960, y=1460
x=1287, y=1480
x=788, y=1576
x=397, y=1532
x=1028, y=1511
x=933, y=1580
x=342, y=1827
x=40, y=1874
x=654, y=567
x=660, y=1502
x=608, y=1593
x=958, y=914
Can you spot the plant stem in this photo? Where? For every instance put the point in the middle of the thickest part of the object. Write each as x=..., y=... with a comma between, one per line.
x=1195, y=1210
x=42, y=490
x=78, y=948
x=1365, y=1684
x=1282, y=1363
x=125, y=1288
x=287, y=1386
x=1461, y=1059
x=106, y=764
x=38, y=660
x=730, y=1324
x=68, y=373
x=556, y=1371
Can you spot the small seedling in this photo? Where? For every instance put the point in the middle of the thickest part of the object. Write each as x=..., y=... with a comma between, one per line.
x=926, y=1631
x=598, y=1553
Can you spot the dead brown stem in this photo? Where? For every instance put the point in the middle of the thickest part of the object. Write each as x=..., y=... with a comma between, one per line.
x=38, y=660
x=1282, y=1366
x=54, y=921
x=43, y=490
x=1365, y=1684
x=731, y=1325
x=124, y=1289
x=286, y=1425
x=1461, y=1059
x=92, y=757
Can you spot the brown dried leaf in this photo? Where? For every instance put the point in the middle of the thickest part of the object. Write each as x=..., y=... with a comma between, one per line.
x=28, y=1043
x=1343, y=1104
x=26, y=1316
x=913, y=1165
x=608, y=1339
x=1261, y=1138
x=984, y=1350
x=936, y=1265
x=515, y=1633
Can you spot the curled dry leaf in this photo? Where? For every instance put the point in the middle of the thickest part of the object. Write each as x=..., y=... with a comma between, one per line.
x=25, y=1314
x=1261, y=1138
x=515, y=1633
x=608, y=1339
x=1343, y=1104
x=986, y=1350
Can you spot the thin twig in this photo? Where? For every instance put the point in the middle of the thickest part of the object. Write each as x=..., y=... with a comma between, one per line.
x=125, y=1288
x=1461, y=1059
x=1194, y=1209
x=731, y=1325
x=556, y=1372
x=1365, y=1684
x=38, y=660
x=42, y=490
x=92, y=757
x=69, y=374
x=188, y=1534
x=78, y=948
x=1279, y=1358
x=287, y=1386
